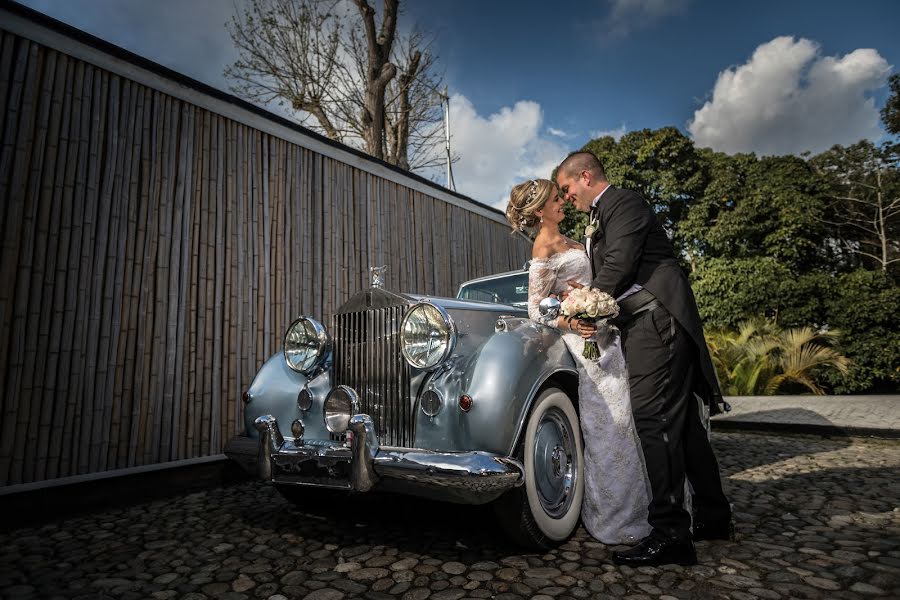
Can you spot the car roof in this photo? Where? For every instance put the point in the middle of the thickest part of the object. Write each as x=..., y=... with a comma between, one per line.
x=523, y=270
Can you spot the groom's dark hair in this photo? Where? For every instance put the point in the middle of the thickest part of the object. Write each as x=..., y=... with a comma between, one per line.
x=576, y=162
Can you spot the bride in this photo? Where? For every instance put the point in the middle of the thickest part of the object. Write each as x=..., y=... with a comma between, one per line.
x=617, y=491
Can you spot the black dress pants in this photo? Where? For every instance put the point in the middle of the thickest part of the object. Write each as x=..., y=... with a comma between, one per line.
x=662, y=364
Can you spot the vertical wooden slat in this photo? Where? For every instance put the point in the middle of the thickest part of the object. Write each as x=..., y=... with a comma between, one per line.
x=218, y=290
x=105, y=253
x=61, y=232
x=124, y=194
x=30, y=159
x=16, y=138
x=231, y=394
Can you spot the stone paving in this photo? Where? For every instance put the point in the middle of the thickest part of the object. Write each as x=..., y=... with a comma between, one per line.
x=816, y=518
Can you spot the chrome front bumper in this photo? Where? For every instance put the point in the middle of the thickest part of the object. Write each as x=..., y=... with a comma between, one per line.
x=466, y=477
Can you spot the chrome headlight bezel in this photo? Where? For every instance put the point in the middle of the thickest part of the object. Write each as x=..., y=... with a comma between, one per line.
x=445, y=327
x=318, y=342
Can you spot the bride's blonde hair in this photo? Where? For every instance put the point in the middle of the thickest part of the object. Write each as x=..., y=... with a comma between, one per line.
x=526, y=198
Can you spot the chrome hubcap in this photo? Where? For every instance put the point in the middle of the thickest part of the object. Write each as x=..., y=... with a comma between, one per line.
x=555, y=462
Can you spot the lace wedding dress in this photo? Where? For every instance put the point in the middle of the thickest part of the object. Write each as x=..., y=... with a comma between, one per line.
x=616, y=493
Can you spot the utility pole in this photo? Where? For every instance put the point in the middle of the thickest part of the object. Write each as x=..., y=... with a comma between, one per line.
x=445, y=104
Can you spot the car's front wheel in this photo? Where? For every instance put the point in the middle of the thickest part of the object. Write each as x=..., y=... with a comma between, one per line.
x=545, y=510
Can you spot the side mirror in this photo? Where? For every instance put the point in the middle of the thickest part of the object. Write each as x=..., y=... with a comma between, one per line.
x=549, y=308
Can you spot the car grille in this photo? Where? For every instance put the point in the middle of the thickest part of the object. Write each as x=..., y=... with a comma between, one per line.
x=367, y=358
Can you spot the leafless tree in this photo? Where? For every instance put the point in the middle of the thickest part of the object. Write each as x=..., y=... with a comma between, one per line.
x=865, y=190
x=361, y=83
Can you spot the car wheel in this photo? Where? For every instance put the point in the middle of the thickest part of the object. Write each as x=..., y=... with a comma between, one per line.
x=544, y=511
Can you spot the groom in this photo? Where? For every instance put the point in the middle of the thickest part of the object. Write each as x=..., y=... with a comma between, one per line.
x=669, y=366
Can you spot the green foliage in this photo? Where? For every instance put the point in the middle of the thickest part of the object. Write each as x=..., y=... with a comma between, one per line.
x=758, y=207
x=890, y=114
x=729, y=291
x=863, y=305
x=759, y=358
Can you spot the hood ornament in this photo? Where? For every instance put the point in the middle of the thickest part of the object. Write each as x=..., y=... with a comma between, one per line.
x=377, y=276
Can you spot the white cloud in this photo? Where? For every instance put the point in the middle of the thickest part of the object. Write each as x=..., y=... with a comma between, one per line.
x=626, y=16
x=557, y=132
x=788, y=99
x=499, y=150
x=616, y=133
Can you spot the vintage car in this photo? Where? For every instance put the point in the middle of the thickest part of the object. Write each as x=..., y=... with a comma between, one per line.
x=460, y=400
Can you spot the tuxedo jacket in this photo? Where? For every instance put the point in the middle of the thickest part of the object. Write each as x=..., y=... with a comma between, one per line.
x=630, y=246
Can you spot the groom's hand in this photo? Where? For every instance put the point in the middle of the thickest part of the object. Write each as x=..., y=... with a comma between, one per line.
x=586, y=328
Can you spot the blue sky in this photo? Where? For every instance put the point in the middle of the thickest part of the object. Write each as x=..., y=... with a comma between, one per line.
x=531, y=80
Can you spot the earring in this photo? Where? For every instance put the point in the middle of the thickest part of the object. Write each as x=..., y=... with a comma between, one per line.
x=542, y=219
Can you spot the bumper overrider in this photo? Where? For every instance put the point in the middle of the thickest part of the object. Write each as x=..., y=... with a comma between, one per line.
x=469, y=477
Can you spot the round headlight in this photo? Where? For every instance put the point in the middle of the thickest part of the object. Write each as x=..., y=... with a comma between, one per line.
x=427, y=335
x=305, y=345
x=341, y=404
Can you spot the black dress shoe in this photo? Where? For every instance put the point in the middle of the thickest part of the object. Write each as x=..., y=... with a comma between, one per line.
x=657, y=550
x=716, y=530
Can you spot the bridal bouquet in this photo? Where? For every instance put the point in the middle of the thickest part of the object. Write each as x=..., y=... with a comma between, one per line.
x=590, y=305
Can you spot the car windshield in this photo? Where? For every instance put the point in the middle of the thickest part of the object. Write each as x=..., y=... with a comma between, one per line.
x=510, y=289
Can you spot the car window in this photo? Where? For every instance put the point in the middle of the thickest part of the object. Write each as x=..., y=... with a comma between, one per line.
x=512, y=289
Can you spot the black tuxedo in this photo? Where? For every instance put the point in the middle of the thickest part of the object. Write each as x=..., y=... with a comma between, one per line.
x=668, y=362
x=630, y=246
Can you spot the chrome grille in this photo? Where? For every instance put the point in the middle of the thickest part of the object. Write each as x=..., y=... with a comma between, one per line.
x=367, y=358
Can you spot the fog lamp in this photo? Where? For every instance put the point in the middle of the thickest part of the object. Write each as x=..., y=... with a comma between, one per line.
x=431, y=403
x=304, y=399
x=341, y=404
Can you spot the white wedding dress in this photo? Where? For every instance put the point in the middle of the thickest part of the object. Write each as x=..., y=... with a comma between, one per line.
x=617, y=492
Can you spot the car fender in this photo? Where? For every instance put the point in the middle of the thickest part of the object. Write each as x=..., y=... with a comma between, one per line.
x=502, y=376
x=274, y=392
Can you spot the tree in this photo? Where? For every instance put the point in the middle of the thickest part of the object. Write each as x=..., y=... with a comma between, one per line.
x=864, y=193
x=762, y=358
x=754, y=207
x=355, y=81
x=863, y=306
x=890, y=113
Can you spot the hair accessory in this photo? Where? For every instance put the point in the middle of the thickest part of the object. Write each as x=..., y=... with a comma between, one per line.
x=532, y=191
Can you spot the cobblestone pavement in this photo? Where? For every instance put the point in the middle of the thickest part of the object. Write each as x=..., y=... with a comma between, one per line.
x=816, y=518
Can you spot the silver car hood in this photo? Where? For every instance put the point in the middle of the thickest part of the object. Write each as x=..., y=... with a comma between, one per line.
x=456, y=304
x=374, y=298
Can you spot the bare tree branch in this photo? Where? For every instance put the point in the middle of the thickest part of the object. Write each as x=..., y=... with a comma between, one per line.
x=366, y=86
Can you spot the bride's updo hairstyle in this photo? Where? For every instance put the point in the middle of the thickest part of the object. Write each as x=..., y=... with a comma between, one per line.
x=526, y=198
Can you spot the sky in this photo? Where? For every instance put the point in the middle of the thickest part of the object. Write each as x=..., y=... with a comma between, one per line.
x=532, y=80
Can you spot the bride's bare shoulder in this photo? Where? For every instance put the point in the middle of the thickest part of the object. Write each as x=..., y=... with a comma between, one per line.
x=542, y=250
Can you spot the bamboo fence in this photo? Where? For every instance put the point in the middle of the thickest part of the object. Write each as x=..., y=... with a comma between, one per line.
x=154, y=252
